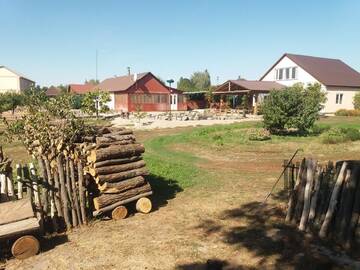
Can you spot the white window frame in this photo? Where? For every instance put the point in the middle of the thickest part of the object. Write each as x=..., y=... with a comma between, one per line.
x=339, y=98
x=286, y=71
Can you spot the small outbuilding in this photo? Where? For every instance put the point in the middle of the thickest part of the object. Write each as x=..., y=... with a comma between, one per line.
x=256, y=91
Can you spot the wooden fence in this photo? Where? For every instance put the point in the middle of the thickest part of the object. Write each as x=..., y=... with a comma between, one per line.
x=325, y=198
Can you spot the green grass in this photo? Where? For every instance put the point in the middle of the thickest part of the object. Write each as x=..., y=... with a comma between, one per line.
x=172, y=158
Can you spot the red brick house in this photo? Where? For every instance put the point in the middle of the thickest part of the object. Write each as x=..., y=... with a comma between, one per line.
x=143, y=91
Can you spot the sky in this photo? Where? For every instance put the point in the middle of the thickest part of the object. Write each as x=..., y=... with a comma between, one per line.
x=55, y=42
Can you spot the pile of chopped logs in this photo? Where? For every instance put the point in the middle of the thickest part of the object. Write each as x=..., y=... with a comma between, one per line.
x=115, y=163
x=326, y=199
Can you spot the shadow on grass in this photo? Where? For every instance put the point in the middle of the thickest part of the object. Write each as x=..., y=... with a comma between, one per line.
x=163, y=190
x=260, y=230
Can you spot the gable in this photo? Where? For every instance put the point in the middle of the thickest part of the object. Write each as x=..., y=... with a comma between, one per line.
x=149, y=84
x=302, y=76
x=5, y=72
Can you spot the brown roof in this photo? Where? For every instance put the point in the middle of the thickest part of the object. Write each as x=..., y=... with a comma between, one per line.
x=53, y=91
x=330, y=72
x=80, y=88
x=121, y=83
x=258, y=85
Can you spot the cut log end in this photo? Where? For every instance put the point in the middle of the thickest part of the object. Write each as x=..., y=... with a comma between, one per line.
x=144, y=205
x=25, y=247
x=119, y=212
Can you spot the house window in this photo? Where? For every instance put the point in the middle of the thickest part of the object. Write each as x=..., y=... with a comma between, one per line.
x=148, y=98
x=289, y=73
x=339, y=98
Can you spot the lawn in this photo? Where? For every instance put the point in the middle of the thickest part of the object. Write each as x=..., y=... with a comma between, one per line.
x=209, y=184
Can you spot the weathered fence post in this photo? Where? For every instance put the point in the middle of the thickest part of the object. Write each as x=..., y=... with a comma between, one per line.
x=19, y=181
x=286, y=175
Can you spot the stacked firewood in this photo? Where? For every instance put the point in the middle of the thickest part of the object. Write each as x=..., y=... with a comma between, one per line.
x=118, y=169
x=326, y=199
x=6, y=184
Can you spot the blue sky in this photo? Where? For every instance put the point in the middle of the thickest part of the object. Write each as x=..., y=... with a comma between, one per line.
x=55, y=42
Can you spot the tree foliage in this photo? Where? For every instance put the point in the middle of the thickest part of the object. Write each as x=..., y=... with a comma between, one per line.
x=95, y=102
x=295, y=107
x=357, y=101
x=92, y=81
x=185, y=84
x=9, y=101
x=199, y=81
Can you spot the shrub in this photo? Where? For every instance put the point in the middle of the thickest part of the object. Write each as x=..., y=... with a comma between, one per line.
x=317, y=130
x=294, y=107
x=258, y=134
x=351, y=134
x=333, y=136
x=344, y=112
x=340, y=135
x=356, y=101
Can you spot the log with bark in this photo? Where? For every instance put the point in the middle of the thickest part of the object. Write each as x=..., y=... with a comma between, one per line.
x=108, y=199
x=116, y=151
x=116, y=177
x=117, y=168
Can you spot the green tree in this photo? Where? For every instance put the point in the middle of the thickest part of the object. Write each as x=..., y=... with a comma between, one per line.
x=10, y=101
x=92, y=81
x=94, y=102
x=356, y=101
x=185, y=84
x=201, y=80
x=295, y=107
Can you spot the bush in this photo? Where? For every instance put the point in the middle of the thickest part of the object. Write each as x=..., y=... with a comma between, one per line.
x=344, y=112
x=317, y=130
x=258, y=134
x=294, y=107
x=340, y=135
x=356, y=101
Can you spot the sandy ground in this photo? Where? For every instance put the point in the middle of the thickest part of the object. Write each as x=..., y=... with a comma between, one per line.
x=147, y=124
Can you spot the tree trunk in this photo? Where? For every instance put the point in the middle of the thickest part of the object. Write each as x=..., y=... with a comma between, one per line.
x=111, y=138
x=120, y=161
x=143, y=205
x=81, y=192
x=45, y=186
x=25, y=247
x=294, y=193
x=108, y=199
x=64, y=197
x=355, y=215
x=349, y=203
x=57, y=195
x=70, y=193
x=117, y=168
x=333, y=201
x=314, y=199
x=116, y=151
x=74, y=191
x=114, y=205
x=119, y=212
x=19, y=181
x=119, y=187
x=116, y=177
x=311, y=165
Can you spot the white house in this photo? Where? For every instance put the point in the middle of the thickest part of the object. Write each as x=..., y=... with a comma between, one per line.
x=13, y=81
x=340, y=81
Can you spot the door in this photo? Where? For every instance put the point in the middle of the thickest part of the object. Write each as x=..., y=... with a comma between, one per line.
x=173, y=102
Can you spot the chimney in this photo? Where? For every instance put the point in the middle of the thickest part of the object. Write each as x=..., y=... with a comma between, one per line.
x=129, y=71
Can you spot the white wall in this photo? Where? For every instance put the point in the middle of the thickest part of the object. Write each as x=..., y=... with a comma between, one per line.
x=10, y=81
x=111, y=103
x=347, y=100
